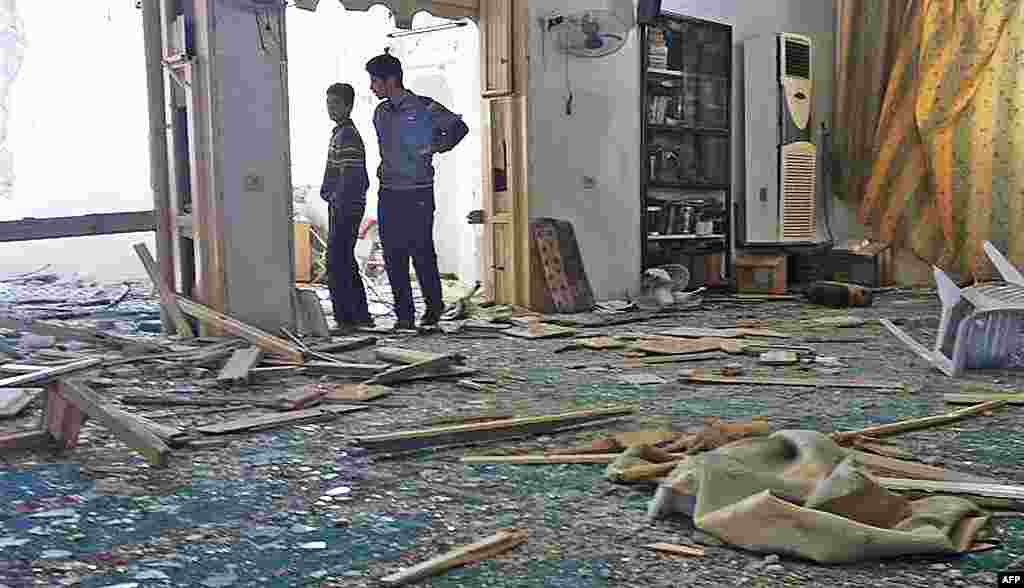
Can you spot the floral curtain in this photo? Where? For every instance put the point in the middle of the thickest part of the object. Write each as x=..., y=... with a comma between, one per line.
x=929, y=125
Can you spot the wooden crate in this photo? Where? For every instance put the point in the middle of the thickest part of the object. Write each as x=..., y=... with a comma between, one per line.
x=761, y=274
x=865, y=263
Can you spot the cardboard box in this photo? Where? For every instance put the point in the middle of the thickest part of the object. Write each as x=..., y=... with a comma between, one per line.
x=303, y=253
x=761, y=274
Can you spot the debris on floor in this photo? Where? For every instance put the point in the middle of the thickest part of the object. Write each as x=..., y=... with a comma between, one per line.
x=304, y=458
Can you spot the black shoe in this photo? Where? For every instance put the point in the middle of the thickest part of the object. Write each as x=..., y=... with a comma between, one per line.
x=404, y=326
x=430, y=318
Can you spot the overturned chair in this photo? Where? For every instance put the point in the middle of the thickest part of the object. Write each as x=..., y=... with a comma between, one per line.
x=982, y=327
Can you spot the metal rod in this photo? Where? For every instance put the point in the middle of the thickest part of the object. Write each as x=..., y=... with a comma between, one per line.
x=432, y=29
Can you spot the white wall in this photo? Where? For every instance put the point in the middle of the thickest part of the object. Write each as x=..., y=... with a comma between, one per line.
x=602, y=138
x=79, y=134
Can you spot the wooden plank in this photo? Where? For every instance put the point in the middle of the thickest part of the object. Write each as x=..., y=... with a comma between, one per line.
x=596, y=458
x=167, y=299
x=498, y=425
x=980, y=398
x=708, y=378
x=61, y=418
x=408, y=356
x=778, y=358
x=85, y=335
x=1003, y=491
x=310, y=415
x=917, y=424
x=672, y=549
x=398, y=374
x=252, y=334
x=345, y=344
x=699, y=333
x=449, y=372
x=21, y=368
x=916, y=347
x=15, y=400
x=360, y=392
x=677, y=346
x=25, y=440
x=48, y=374
x=898, y=468
x=498, y=543
x=59, y=227
x=237, y=368
x=130, y=431
x=747, y=332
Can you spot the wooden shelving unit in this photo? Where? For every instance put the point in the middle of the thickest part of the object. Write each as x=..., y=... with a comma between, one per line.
x=685, y=93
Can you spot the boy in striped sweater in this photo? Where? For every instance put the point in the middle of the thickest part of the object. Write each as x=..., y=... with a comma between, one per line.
x=344, y=188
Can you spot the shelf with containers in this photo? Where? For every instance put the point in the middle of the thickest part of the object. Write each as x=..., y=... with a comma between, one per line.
x=686, y=184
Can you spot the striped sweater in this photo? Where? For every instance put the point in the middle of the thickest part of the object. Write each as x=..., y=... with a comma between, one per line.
x=345, y=177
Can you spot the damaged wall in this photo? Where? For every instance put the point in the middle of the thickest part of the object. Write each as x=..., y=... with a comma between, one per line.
x=601, y=138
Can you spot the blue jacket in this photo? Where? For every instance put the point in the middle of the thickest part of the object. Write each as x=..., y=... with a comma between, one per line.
x=411, y=129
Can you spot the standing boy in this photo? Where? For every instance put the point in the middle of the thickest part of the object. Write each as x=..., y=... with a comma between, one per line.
x=410, y=129
x=344, y=189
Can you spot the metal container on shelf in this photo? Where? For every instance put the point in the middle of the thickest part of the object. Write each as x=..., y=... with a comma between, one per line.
x=689, y=220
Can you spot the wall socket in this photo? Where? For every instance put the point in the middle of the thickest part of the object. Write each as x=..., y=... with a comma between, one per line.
x=589, y=182
x=253, y=183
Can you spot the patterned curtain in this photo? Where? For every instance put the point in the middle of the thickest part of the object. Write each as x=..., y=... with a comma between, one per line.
x=929, y=125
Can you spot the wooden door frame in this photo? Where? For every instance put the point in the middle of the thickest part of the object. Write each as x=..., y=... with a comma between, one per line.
x=519, y=90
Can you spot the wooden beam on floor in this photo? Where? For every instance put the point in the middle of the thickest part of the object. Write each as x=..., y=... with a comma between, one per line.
x=268, y=342
x=167, y=300
x=106, y=223
x=129, y=430
x=499, y=542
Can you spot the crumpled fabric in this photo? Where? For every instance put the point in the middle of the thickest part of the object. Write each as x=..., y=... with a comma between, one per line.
x=796, y=493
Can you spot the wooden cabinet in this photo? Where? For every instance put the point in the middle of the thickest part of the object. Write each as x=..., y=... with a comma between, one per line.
x=496, y=62
x=686, y=88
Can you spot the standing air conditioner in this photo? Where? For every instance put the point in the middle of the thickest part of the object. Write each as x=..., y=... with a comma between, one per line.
x=780, y=204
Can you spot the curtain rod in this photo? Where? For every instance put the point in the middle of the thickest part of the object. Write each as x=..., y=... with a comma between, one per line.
x=435, y=28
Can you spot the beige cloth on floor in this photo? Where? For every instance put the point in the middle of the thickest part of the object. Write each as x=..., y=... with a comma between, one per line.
x=797, y=493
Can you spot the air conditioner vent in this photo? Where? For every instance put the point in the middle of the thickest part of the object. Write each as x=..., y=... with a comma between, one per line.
x=798, y=188
x=798, y=59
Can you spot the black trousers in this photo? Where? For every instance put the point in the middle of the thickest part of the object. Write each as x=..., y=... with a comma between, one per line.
x=348, y=297
x=406, y=221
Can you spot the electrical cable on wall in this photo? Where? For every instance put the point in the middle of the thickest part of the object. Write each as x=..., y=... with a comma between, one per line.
x=825, y=141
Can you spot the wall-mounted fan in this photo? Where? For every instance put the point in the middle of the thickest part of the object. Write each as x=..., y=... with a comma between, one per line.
x=591, y=33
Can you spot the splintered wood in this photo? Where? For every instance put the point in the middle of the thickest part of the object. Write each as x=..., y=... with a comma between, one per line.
x=916, y=424
x=495, y=544
x=673, y=549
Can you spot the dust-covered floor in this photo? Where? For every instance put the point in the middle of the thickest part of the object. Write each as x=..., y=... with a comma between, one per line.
x=302, y=506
